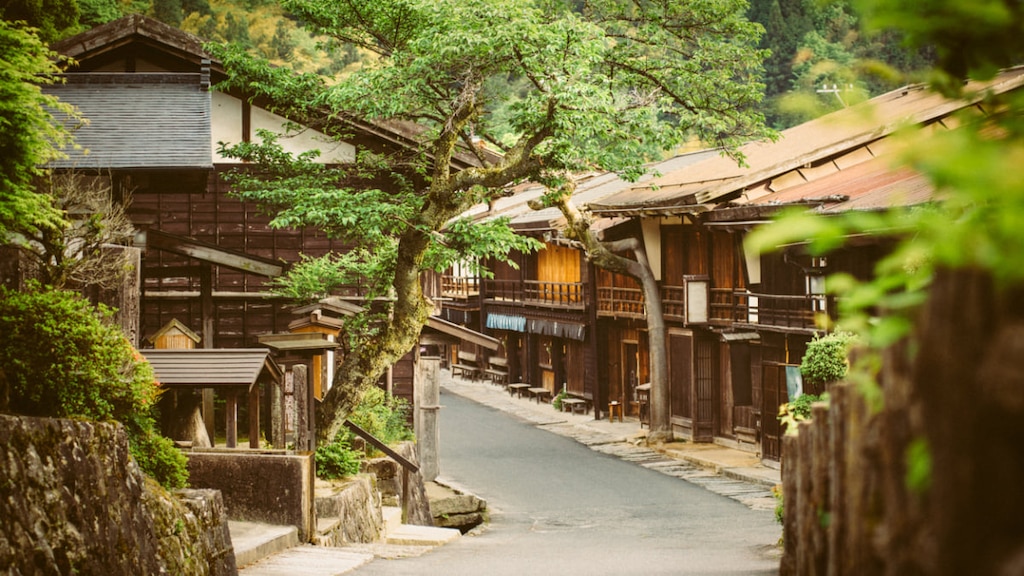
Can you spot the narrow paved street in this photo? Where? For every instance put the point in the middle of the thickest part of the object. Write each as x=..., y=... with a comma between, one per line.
x=559, y=507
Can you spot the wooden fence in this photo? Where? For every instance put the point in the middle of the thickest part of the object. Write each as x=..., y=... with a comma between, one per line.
x=927, y=475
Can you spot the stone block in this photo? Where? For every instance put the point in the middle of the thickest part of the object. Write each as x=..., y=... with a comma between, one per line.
x=274, y=487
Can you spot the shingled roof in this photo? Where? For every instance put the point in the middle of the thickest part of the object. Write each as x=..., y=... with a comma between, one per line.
x=215, y=367
x=137, y=121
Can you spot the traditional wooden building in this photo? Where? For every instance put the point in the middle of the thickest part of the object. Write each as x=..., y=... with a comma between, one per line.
x=156, y=119
x=737, y=323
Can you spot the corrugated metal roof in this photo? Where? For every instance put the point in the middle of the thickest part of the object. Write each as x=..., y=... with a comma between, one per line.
x=589, y=188
x=138, y=121
x=211, y=367
x=801, y=146
x=871, y=185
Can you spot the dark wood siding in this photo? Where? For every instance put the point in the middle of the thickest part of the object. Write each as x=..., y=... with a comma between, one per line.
x=705, y=379
x=172, y=203
x=680, y=357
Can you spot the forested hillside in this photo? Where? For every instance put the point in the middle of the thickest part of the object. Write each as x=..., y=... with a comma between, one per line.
x=821, y=58
x=259, y=25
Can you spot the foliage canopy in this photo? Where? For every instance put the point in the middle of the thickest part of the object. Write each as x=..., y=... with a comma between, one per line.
x=607, y=86
x=28, y=136
x=62, y=358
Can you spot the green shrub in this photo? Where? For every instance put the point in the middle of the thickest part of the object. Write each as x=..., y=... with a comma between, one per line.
x=382, y=415
x=826, y=360
x=337, y=459
x=63, y=358
x=797, y=410
x=556, y=403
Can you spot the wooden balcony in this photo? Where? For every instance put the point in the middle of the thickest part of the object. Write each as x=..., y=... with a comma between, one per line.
x=564, y=295
x=795, y=312
x=460, y=287
x=687, y=303
x=620, y=302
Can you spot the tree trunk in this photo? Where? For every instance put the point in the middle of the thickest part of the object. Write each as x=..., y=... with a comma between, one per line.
x=365, y=363
x=604, y=255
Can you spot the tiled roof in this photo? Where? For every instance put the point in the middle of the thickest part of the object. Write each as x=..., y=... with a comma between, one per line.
x=138, y=121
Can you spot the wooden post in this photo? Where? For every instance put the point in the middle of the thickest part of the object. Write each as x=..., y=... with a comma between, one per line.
x=231, y=417
x=302, y=415
x=254, y=416
x=791, y=504
x=820, y=486
x=426, y=404
x=837, y=502
x=277, y=417
x=206, y=298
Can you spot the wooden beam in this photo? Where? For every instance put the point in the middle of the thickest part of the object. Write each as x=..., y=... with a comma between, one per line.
x=211, y=253
x=254, y=417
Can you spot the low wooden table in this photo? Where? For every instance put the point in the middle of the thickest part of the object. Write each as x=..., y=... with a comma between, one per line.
x=539, y=394
x=517, y=389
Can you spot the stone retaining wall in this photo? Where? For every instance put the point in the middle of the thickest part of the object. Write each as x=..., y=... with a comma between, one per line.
x=349, y=513
x=73, y=501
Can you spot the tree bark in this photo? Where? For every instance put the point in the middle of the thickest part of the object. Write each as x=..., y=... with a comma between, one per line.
x=605, y=255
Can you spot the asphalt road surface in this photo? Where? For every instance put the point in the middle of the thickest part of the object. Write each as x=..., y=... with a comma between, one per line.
x=558, y=507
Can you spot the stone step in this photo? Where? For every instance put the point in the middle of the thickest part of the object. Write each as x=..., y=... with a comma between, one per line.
x=392, y=518
x=328, y=524
x=254, y=541
x=409, y=535
x=309, y=561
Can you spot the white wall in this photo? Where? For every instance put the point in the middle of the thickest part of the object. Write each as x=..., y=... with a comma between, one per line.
x=227, y=127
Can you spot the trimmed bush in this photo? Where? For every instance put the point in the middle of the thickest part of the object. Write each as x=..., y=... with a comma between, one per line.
x=60, y=357
x=826, y=360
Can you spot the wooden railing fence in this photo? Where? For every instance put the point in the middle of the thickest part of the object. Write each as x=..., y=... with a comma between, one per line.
x=924, y=476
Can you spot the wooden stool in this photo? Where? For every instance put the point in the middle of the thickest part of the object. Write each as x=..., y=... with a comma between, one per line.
x=614, y=406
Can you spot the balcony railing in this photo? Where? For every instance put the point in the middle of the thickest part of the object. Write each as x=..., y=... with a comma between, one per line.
x=620, y=302
x=460, y=287
x=687, y=303
x=536, y=293
x=781, y=311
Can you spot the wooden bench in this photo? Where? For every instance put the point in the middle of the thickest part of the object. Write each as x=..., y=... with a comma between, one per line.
x=518, y=389
x=497, y=370
x=539, y=394
x=573, y=402
x=467, y=366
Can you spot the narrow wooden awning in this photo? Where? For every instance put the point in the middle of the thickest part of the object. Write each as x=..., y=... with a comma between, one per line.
x=461, y=333
x=297, y=342
x=213, y=368
x=341, y=308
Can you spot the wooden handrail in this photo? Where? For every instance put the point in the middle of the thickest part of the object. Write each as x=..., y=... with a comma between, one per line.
x=381, y=446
